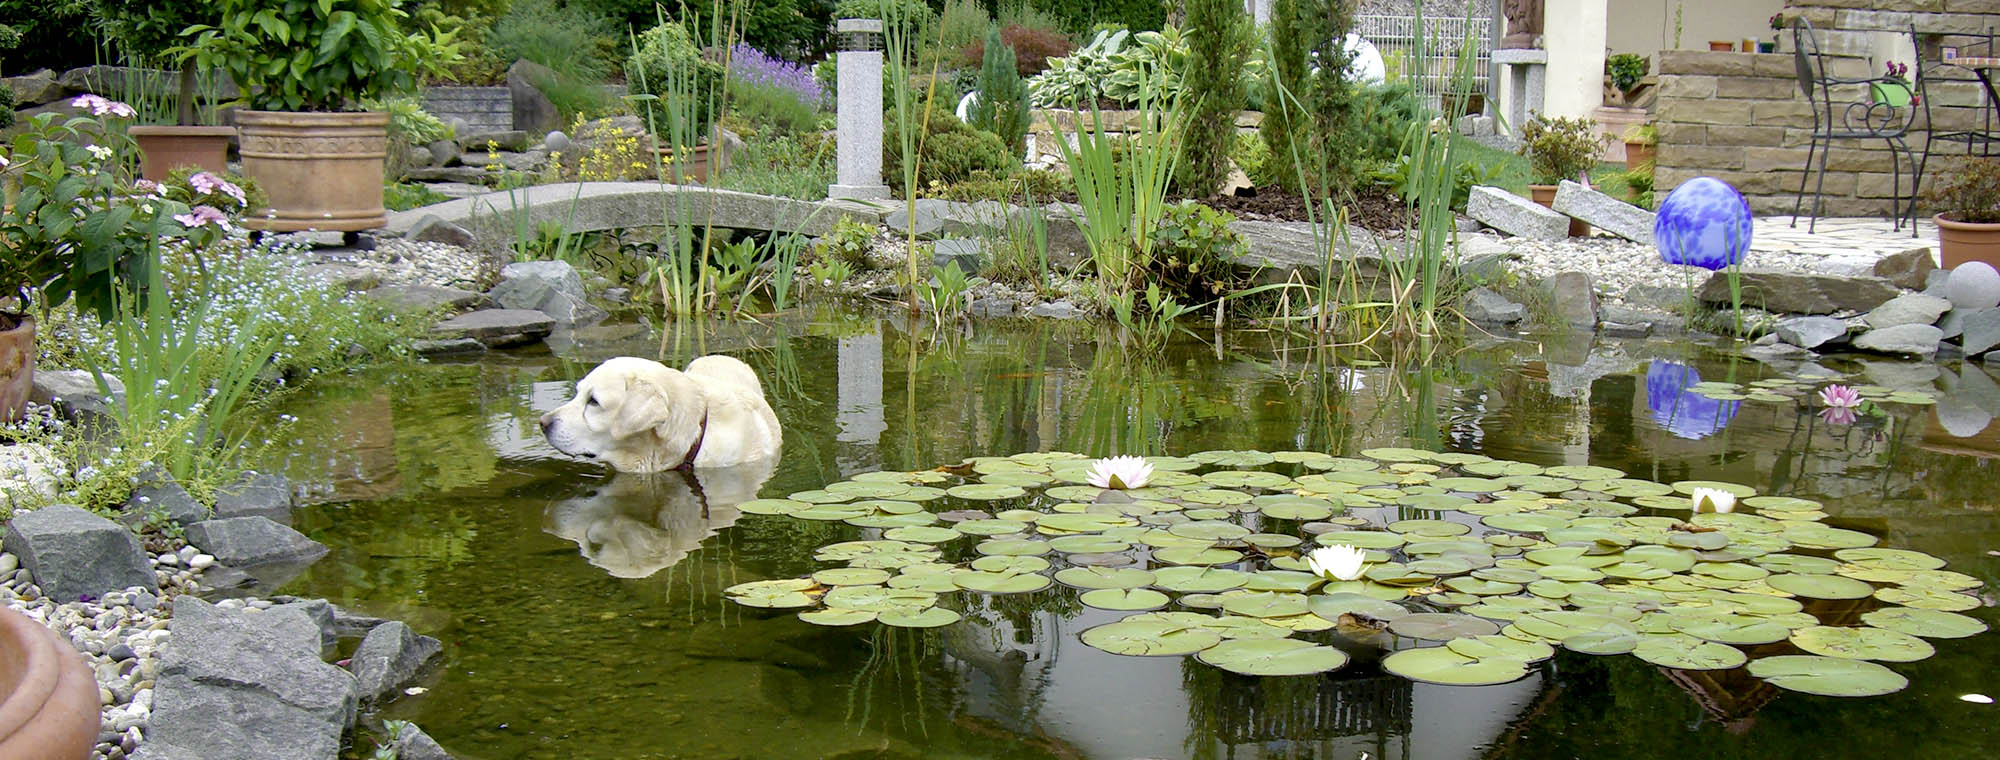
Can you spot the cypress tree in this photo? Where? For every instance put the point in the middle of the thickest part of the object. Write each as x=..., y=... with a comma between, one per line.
x=1218, y=38
x=1333, y=148
x=1284, y=112
x=1002, y=105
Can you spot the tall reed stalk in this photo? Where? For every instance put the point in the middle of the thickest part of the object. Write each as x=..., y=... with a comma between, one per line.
x=1122, y=201
x=912, y=123
x=683, y=278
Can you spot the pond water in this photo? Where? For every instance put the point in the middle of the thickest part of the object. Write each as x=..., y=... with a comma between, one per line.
x=583, y=615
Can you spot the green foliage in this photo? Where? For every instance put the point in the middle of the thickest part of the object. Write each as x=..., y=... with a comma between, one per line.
x=915, y=15
x=989, y=186
x=794, y=166
x=1626, y=69
x=1559, y=148
x=1253, y=156
x=949, y=150
x=1384, y=116
x=1220, y=40
x=1639, y=186
x=681, y=86
x=1283, y=128
x=148, y=28
x=1002, y=105
x=1122, y=200
x=1194, y=253
x=1117, y=64
x=403, y=196
x=317, y=55
x=1080, y=15
x=409, y=120
x=1336, y=123
x=948, y=292
x=1643, y=134
x=577, y=43
x=961, y=23
x=849, y=242
x=1398, y=175
x=1971, y=193
x=772, y=107
x=6, y=107
x=54, y=27
x=181, y=186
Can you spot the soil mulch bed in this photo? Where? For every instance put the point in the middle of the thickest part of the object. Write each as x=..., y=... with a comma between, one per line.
x=1375, y=211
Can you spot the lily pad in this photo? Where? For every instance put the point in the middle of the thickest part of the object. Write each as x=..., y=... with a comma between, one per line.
x=783, y=592
x=1927, y=599
x=1931, y=624
x=1440, y=665
x=877, y=598
x=1150, y=638
x=1265, y=604
x=851, y=576
x=1104, y=577
x=1332, y=606
x=1273, y=657
x=1688, y=653
x=1862, y=643
x=1441, y=626
x=1733, y=630
x=930, y=617
x=1001, y=583
x=1602, y=642
x=923, y=534
x=837, y=617
x=1126, y=599
x=1198, y=580
x=1819, y=586
x=1828, y=676
x=771, y=506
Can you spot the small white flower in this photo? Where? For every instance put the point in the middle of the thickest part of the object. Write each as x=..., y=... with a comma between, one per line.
x=1338, y=562
x=1712, y=500
x=102, y=153
x=1121, y=472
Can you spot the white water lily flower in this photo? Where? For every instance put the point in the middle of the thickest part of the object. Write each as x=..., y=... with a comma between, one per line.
x=1121, y=472
x=1338, y=562
x=1712, y=500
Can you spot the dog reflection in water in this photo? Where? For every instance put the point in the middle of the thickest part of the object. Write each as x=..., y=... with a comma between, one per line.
x=641, y=523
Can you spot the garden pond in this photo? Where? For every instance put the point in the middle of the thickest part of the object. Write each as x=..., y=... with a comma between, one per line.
x=584, y=614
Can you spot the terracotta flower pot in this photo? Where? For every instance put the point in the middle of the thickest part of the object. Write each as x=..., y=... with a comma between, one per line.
x=1721, y=46
x=697, y=164
x=1960, y=242
x=323, y=171
x=1638, y=154
x=17, y=367
x=166, y=148
x=48, y=696
x=1546, y=196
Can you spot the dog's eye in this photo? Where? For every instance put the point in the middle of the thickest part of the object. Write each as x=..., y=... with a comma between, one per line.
x=592, y=401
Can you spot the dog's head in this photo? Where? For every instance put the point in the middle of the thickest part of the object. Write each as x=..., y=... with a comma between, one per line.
x=635, y=414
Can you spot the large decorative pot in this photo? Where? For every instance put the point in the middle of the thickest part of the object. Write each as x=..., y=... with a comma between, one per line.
x=1545, y=196
x=323, y=171
x=166, y=148
x=48, y=697
x=1960, y=242
x=17, y=366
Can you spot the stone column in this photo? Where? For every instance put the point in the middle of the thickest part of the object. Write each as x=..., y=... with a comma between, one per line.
x=1259, y=10
x=859, y=109
x=1521, y=86
x=858, y=411
x=1575, y=45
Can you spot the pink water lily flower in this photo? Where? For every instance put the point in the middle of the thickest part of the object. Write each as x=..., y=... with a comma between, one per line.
x=1839, y=415
x=202, y=215
x=1839, y=397
x=100, y=106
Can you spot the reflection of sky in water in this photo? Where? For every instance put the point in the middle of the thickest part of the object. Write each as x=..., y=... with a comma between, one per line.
x=1680, y=411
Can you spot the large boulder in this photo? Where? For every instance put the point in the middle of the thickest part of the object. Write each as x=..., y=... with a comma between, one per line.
x=158, y=494
x=253, y=540
x=237, y=684
x=390, y=656
x=496, y=328
x=431, y=229
x=414, y=744
x=550, y=287
x=75, y=392
x=1910, y=269
x=1810, y=332
x=73, y=553
x=935, y=218
x=262, y=495
x=1908, y=309
x=1784, y=291
x=1515, y=215
x=35, y=88
x=1604, y=212
x=1910, y=340
x=534, y=113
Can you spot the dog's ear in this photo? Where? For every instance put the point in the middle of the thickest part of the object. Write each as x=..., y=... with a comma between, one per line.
x=643, y=407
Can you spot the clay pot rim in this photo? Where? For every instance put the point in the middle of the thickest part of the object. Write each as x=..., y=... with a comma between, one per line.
x=1942, y=221
x=169, y=130
x=311, y=118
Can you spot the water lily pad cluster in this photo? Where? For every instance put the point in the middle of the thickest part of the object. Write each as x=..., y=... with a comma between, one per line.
x=1779, y=389
x=1478, y=568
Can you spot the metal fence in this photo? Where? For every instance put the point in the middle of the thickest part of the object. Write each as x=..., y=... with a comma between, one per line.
x=1395, y=38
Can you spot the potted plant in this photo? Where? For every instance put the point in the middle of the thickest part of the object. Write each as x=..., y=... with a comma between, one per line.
x=1894, y=91
x=302, y=65
x=1969, y=222
x=1777, y=25
x=1642, y=144
x=1624, y=71
x=144, y=31
x=76, y=226
x=1558, y=149
x=677, y=90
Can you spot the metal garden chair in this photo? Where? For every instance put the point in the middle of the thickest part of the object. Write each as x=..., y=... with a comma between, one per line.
x=1853, y=115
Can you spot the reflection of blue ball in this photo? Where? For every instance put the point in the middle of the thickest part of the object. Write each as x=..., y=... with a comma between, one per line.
x=1703, y=223
x=1680, y=411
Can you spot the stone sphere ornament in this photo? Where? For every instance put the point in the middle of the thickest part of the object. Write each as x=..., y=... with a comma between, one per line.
x=1703, y=223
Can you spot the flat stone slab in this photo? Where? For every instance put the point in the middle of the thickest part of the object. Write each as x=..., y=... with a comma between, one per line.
x=1911, y=340
x=1785, y=291
x=489, y=325
x=247, y=541
x=1980, y=331
x=1604, y=212
x=1515, y=215
x=263, y=495
x=599, y=206
x=73, y=552
x=1908, y=309
x=1278, y=250
x=1810, y=332
x=427, y=298
x=1484, y=306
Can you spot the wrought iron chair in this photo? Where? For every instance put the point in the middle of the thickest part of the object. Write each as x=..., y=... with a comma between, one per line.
x=1844, y=119
x=1982, y=141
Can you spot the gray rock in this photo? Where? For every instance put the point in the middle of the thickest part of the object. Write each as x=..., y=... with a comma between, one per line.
x=1630, y=319
x=72, y=552
x=496, y=327
x=1604, y=212
x=525, y=161
x=1981, y=332
x=447, y=347
x=1515, y=215
x=245, y=541
x=992, y=307
x=75, y=392
x=159, y=494
x=1973, y=285
x=1953, y=323
x=35, y=89
x=935, y=218
x=1574, y=300
x=1055, y=310
x=968, y=254
x=556, y=142
x=431, y=229
x=262, y=495
x=427, y=298
x=1910, y=269
x=414, y=744
x=1913, y=340
x=1810, y=332
x=514, y=140
x=1483, y=306
x=1277, y=252
x=263, y=672
x=320, y=611
x=467, y=174
x=1791, y=292
x=550, y=287
x=443, y=152
x=349, y=624
x=533, y=113
x=343, y=276
x=1907, y=309
x=1934, y=281
x=389, y=657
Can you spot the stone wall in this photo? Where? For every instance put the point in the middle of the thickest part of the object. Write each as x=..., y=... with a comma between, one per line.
x=1741, y=118
x=484, y=109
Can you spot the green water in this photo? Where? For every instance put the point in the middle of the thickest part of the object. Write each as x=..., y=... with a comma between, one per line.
x=444, y=508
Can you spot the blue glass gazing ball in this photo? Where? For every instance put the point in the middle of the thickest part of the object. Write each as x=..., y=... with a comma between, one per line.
x=1680, y=411
x=1703, y=223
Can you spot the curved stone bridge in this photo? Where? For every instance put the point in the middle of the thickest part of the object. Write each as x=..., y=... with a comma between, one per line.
x=601, y=206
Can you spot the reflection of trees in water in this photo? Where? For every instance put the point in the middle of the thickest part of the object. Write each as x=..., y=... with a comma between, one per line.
x=1226, y=711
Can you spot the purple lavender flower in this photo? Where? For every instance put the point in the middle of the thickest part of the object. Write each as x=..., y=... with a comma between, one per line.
x=753, y=66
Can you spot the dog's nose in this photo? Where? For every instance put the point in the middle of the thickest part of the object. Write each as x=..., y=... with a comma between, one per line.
x=548, y=421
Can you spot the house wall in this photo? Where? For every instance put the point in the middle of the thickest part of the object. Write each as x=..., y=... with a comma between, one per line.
x=1647, y=26
x=1741, y=118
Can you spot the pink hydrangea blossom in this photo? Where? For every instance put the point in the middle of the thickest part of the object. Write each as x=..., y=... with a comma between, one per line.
x=1839, y=397
x=100, y=106
x=206, y=184
x=202, y=215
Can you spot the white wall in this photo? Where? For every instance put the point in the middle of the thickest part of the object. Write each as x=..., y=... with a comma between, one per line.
x=1647, y=26
x=1573, y=32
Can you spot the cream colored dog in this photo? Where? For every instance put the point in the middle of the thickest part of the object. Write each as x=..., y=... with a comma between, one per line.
x=639, y=524
x=639, y=415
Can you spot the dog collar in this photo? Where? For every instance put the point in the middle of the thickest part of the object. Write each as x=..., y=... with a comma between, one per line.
x=687, y=461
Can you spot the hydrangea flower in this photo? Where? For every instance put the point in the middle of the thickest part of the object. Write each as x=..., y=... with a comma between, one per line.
x=203, y=215
x=100, y=106
x=208, y=184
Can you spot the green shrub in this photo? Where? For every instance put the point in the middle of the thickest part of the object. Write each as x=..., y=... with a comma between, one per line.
x=1626, y=69
x=409, y=120
x=1081, y=15
x=1194, y=253
x=1002, y=106
x=1559, y=148
x=1025, y=185
x=849, y=243
x=6, y=107
x=578, y=45
x=1219, y=41
x=951, y=151
x=771, y=107
x=794, y=166
x=1972, y=193
x=1283, y=130
x=1384, y=116
x=664, y=62
x=1253, y=156
x=403, y=196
